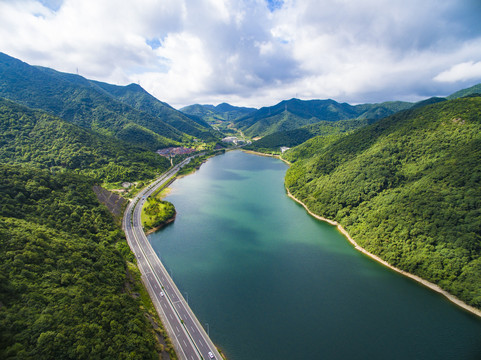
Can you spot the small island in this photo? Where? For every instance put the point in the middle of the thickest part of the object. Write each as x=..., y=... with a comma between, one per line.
x=157, y=213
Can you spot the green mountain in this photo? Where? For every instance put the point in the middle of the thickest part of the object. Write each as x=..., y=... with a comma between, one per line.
x=432, y=100
x=64, y=292
x=221, y=112
x=476, y=89
x=273, y=142
x=85, y=103
x=33, y=137
x=407, y=188
x=295, y=113
x=135, y=96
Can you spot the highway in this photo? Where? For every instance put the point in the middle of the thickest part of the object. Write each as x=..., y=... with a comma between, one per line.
x=188, y=336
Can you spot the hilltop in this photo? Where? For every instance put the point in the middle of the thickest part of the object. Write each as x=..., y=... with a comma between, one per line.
x=221, y=112
x=295, y=113
x=127, y=113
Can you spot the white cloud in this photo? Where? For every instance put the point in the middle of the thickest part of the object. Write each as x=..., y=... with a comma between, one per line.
x=461, y=72
x=253, y=52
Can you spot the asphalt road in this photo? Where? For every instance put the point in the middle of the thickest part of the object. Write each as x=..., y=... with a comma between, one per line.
x=187, y=334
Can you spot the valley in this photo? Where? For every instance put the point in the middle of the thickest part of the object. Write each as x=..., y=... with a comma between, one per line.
x=403, y=179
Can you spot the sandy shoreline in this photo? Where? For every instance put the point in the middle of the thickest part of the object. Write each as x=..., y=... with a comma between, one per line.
x=426, y=283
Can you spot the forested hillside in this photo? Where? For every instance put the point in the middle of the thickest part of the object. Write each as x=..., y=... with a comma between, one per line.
x=65, y=293
x=84, y=103
x=62, y=276
x=35, y=138
x=293, y=114
x=272, y=143
x=221, y=112
x=135, y=96
x=407, y=188
x=473, y=90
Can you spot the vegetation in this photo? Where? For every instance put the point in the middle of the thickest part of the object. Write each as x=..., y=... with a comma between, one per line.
x=133, y=95
x=156, y=213
x=273, y=142
x=196, y=162
x=128, y=114
x=219, y=113
x=473, y=90
x=63, y=280
x=35, y=138
x=407, y=188
x=165, y=346
x=65, y=289
x=293, y=114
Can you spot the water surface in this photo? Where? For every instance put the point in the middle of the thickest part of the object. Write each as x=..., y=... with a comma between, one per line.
x=272, y=282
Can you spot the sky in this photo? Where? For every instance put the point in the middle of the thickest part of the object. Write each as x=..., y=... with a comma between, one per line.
x=254, y=52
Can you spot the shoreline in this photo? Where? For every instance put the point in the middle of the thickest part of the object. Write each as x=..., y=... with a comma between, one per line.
x=416, y=278
x=157, y=228
x=268, y=155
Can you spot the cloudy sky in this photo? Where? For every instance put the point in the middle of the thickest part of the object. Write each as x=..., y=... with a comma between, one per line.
x=254, y=52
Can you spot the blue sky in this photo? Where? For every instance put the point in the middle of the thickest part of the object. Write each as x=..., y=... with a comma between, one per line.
x=254, y=52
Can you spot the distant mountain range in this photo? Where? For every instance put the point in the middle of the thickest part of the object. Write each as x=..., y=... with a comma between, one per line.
x=295, y=113
x=126, y=112
x=221, y=112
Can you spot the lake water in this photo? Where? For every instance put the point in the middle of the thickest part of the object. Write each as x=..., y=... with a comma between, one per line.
x=270, y=282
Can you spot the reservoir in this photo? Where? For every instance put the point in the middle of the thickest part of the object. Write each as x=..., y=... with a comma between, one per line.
x=268, y=281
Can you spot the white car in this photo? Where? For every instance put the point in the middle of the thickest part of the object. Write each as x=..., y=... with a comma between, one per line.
x=211, y=355
x=161, y=293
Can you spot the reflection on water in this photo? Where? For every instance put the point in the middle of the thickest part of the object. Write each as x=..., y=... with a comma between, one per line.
x=274, y=283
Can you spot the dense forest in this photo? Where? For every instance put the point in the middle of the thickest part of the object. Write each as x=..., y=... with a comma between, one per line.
x=134, y=95
x=407, y=188
x=63, y=276
x=295, y=113
x=66, y=292
x=273, y=142
x=126, y=113
x=221, y=113
x=35, y=138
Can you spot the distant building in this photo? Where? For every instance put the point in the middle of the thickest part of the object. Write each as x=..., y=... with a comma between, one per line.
x=284, y=149
x=173, y=151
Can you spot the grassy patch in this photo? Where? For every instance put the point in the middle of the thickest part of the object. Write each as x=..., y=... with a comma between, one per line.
x=156, y=212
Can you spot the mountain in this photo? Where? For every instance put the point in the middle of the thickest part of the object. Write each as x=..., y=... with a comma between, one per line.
x=432, y=100
x=273, y=142
x=135, y=96
x=476, y=89
x=221, y=112
x=295, y=113
x=407, y=188
x=66, y=291
x=68, y=284
x=35, y=138
x=88, y=104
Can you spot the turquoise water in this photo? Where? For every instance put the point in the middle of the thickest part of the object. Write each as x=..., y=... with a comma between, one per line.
x=271, y=282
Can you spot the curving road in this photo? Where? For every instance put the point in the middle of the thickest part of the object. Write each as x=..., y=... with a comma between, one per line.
x=187, y=334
